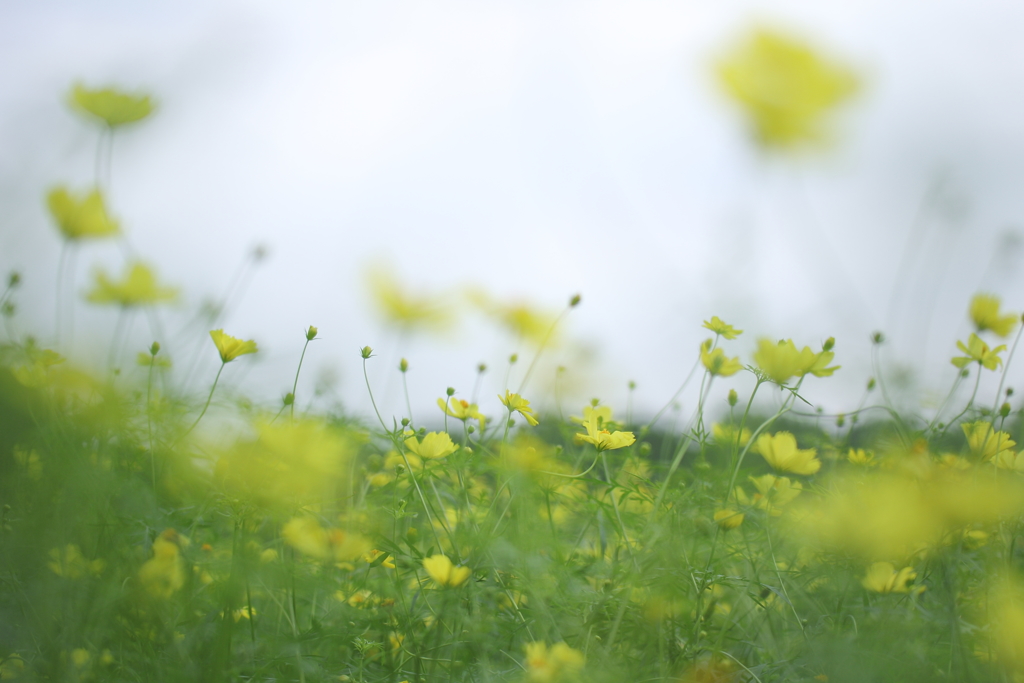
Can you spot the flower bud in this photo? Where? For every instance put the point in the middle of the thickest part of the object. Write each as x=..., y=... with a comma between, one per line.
x=403, y=365
x=450, y=391
x=513, y=358
x=154, y=348
x=871, y=384
x=877, y=338
x=482, y=368
x=405, y=422
x=574, y=301
x=1009, y=392
x=840, y=420
x=632, y=385
x=1004, y=410
x=14, y=279
x=311, y=333
x=289, y=398
x=829, y=343
x=733, y=398
x=470, y=429
x=365, y=352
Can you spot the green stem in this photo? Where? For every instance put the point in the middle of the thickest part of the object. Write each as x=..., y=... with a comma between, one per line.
x=295, y=384
x=208, y=399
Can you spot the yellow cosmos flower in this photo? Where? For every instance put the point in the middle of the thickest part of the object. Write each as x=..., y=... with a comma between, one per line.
x=772, y=493
x=552, y=665
x=1010, y=460
x=70, y=563
x=984, y=442
x=307, y=536
x=434, y=445
x=859, y=456
x=517, y=404
x=230, y=347
x=461, y=410
x=597, y=420
x=113, y=107
x=717, y=362
x=722, y=328
x=781, y=361
x=780, y=451
x=785, y=87
x=164, y=574
x=882, y=577
x=978, y=352
x=80, y=217
x=401, y=308
x=985, y=315
x=138, y=288
x=728, y=519
x=444, y=573
x=729, y=435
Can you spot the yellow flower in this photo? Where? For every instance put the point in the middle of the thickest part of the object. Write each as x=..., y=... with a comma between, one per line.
x=717, y=362
x=446, y=574
x=772, y=492
x=71, y=564
x=785, y=88
x=985, y=315
x=113, y=107
x=728, y=519
x=517, y=404
x=521, y=319
x=882, y=577
x=433, y=445
x=230, y=347
x=401, y=308
x=1009, y=460
x=138, y=288
x=81, y=217
x=163, y=574
x=978, y=352
x=596, y=420
x=729, y=435
x=781, y=453
x=781, y=361
x=859, y=456
x=307, y=536
x=552, y=665
x=461, y=410
x=984, y=442
x=719, y=327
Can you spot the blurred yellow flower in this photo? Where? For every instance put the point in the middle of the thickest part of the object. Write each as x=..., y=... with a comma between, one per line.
x=716, y=362
x=882, y=577
x=728, y=519
x=785, y=87
x=772, y=492
x=461, y=410
x=978, y=352
x=859, y=456
x=402, y=308
x=729, y=435
x=517, y=404
x=985, y=315
x=71, y=564
x=138, y=288
x=1009, y=460
x=559, y=663
x=720, y=327
x=781, y=360
x=163, y=574
x=434, y=445
x=306, y=535
x=230, y=347
x=113, y=107
x=444, y=573
x=781, y=453
x=80, y=217
x=984, y=442
x=521, y=319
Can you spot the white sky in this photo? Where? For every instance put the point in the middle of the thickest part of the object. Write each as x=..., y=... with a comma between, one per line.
x=536, y=148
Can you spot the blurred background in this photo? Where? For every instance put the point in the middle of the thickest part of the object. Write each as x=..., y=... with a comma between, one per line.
x=308, y=163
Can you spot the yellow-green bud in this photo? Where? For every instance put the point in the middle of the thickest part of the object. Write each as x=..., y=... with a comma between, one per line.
x=1004, y=410
x=878, y=338
x=829, y=343
x=450, y=391
x=1009, y=392
x=632, y=385
x=871, y=384
x=574, y=301
x=405, y=422
x=513, y=358
x=733, y=398
x=311, y=333
x=154, y=348
x=482, y=368
x=289, y=398
x=840, y=420
x=14, y=279
x=365, y=352
x=403, y=365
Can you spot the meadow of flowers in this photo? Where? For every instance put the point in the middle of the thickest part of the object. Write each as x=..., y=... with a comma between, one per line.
x=150, y=533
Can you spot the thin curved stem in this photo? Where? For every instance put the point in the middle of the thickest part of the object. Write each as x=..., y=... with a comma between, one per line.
x=208, y=399
x=295, y=384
